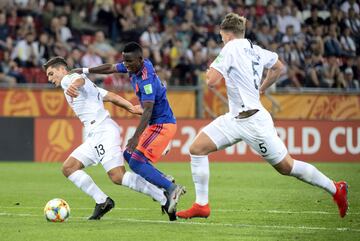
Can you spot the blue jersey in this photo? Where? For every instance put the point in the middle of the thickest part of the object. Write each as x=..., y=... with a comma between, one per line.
x=148, y=87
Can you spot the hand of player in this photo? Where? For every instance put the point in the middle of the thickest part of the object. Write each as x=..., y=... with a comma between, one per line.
x=72, y=91
x=132, y=143
x=77, y=70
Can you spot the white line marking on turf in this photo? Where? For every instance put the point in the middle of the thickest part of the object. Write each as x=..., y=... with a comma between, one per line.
x=234, y=225
x=214, y=210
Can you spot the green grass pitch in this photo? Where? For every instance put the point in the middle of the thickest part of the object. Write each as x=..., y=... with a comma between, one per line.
x=249, y=201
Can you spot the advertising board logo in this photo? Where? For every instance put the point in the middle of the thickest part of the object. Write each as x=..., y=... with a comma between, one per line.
x=60, y=137
x=20, y=103
x=52, y=102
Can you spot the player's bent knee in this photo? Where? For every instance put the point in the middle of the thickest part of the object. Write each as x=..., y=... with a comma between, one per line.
x=198, y=150
x=285, y=166
x=116, y=175
x=71, y=165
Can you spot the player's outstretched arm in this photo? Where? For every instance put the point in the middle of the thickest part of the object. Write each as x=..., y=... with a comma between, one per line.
x=73, y=89
x=271, y=76
x=123, y=103
x=101, y=69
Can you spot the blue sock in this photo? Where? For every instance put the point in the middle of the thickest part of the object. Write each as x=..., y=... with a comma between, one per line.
x=127, y=155
x=140, y=165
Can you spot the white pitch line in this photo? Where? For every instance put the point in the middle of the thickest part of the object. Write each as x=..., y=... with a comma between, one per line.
x=233, y=225
x=214, y=210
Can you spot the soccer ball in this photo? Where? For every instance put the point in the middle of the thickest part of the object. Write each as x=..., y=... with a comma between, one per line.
x=57, y=210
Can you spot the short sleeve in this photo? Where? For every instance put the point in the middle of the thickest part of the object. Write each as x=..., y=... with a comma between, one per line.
x=68, y=79
x=269, y=58
x=102, y=92
x=147, y=90
x=120, y=67
x=223, y=60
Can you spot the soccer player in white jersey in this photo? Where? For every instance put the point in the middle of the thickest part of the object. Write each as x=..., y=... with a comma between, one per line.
x=102, y=144
x=241, y=64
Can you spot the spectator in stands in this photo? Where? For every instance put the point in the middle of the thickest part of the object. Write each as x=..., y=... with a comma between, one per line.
x=346, y=5
x=65, y=32
x=4, y=78
x=282, y=21
x=151, y=38
x=102, y=47
x=90, y=58
x=314, y=18
x=4, y=31
x=26, y=52
x=352, y=21
x=351, y=82
x=44, y=48
x=333, y=77
x=331, y=42
x=27, y=24
x=315, y=71
x=74, y=59
x=48, y=14
x=291, y=66
x=263, y=35
x=270, y=18
x=128, y=25
x=289, y=36
x=348, y=43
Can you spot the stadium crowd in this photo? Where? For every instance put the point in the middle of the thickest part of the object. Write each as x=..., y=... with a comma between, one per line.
x=318, y=40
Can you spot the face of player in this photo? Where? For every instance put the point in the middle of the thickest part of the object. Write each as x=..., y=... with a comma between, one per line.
x=55, y=75
x=133, y=62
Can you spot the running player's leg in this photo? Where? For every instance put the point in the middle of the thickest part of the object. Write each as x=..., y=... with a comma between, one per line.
x=268, y=144
x=111, y=158
x=127, y=156
x=120, y=176
x=210, y=139
x=151, y=145
x=72, y=169
x=310, y=174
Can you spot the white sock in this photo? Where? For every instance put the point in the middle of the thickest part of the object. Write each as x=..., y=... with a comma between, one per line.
x=139, y=184
x=83, y=181
x=200, y=174
x=310, y=174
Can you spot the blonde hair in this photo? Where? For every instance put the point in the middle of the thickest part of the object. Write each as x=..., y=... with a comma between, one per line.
x=234, y=23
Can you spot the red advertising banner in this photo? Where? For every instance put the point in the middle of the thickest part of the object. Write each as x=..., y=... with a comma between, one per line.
x=55, y=138
x=52, y=103
x=323, y=141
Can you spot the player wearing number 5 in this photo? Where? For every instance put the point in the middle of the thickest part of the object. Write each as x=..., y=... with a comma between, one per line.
x=241, y=64
x=102, y=143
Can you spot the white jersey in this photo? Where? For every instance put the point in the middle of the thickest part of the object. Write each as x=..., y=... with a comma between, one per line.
x=88, y=106
x=241, y=63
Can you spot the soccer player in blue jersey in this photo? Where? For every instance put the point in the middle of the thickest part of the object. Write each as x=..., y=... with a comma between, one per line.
x=157, y=125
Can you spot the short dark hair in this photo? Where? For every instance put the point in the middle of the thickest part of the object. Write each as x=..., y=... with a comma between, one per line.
x=55, y=62
x=132, y=47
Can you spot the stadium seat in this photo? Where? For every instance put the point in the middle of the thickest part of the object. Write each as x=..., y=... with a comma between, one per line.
x=39, y=76
x=28, y=74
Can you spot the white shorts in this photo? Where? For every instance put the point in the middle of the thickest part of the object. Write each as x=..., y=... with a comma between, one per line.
x=257, y=131
x=101, y=146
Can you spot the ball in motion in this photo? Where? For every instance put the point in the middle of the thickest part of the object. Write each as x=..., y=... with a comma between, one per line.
x=57, y=210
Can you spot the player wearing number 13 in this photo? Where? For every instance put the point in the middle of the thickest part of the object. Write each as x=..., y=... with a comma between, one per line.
x=102, y=143
x=157, y=124
x=241, y=64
